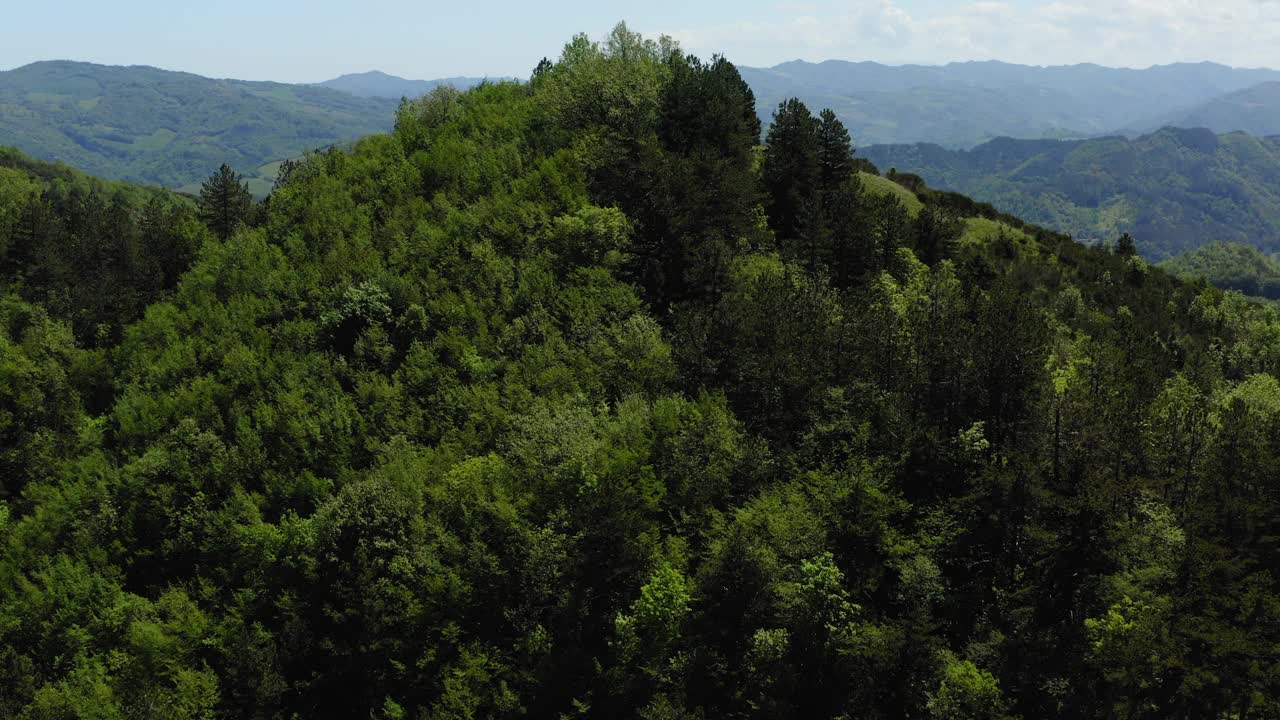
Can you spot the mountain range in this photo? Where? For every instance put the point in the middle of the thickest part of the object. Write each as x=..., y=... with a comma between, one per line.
x=147, y=125
x=964, y=104
x=377, y=84
x=1174, y=189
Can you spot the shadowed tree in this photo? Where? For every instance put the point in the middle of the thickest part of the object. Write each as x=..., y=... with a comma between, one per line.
x=835, y=152
x=224, y=202
x=791, y=166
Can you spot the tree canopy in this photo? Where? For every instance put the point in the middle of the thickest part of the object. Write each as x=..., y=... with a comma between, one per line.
x=562, y=401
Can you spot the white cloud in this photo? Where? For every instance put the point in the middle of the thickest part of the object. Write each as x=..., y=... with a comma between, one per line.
x=1131, y=33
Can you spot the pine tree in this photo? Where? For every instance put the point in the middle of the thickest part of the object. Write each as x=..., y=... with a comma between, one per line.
x=544, y=66
x=936, y=232
x=1126, y=246
x=835, y=152
x=224, y=202
x=791, y=168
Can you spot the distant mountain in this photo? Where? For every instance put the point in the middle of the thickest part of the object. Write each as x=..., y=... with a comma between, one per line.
x=376, y=84
x=965, y=104
x=147, y=125
x=1255, y=110
x=1174, y=190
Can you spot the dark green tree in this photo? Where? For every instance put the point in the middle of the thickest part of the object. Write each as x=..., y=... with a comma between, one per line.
x=1126, y=246
x=225, y=202
x=835, y=152
x=936, y=232
x=792, y=167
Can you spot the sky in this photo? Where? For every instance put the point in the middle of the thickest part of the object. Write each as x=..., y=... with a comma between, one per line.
x=313, y=40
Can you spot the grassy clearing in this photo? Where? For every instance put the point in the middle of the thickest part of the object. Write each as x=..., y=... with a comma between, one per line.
x=884, y=186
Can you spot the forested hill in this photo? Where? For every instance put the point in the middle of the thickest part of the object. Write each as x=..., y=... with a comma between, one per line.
x=564, y=399
x=154, y=126
x=1174, y=189
x=381, y=85
x=964, y=104
x=1231, y=266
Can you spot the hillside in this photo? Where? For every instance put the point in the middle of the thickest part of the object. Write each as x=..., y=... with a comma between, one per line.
x=1173, y=190
x=152, y=126
x=376, y=84
x=1231, y=266
x=91, y=252
x=964, y=104
x=37, y=176
x=566, y=399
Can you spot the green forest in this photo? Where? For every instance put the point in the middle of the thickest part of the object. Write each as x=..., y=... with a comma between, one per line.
x=1231, y=266
x=569, y=399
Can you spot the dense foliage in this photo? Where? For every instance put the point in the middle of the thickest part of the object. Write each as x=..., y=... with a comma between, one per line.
x=167, y=128
x=1174, y=189
x=566, y=400
x=94, y=253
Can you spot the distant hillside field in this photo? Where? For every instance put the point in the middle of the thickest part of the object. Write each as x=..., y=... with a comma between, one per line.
x=1174, y=190
x=145, y=125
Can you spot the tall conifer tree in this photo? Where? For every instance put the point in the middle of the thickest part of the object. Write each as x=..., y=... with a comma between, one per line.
x=224, y=201
x=791, y=167
x=835, y=151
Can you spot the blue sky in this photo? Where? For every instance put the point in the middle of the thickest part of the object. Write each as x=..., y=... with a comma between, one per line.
x=296, y=41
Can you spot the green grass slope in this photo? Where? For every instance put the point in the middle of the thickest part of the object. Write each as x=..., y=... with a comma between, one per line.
x=877, y=185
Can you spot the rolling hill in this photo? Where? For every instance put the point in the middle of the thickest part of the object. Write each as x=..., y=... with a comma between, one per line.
x=146, y=125
x=377, y=84
x=1174, y=190
x=964, y=104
